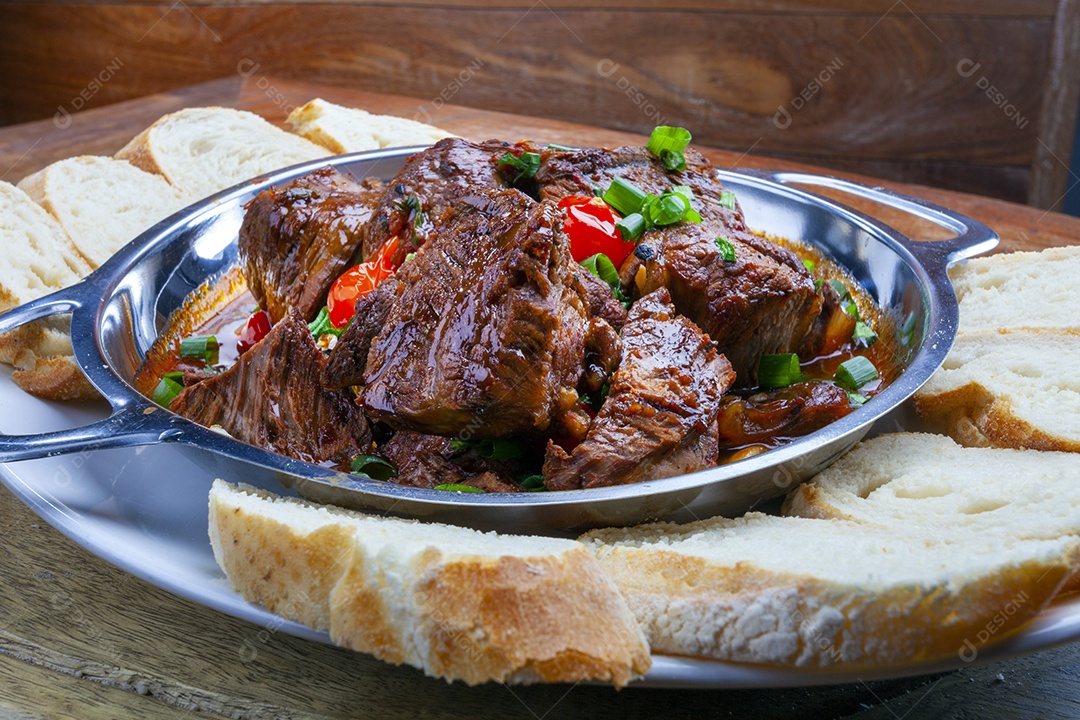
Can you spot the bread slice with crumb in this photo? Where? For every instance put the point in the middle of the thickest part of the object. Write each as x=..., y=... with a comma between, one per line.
x=1011, y=378
x=1017, y=389
x=102, y=203
x=347, y=130
x=201, y=151
x=818, y=593
x=457, y=603
x=36, y=258
x=903, y=480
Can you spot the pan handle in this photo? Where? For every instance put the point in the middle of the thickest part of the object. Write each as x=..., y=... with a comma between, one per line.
x=127, y=426
x=132, y=422
x=972, y=237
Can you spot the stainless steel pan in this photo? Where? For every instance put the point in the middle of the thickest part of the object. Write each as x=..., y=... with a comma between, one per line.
x=118, y=311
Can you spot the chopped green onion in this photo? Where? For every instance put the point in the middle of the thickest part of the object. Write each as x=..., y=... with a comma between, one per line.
x=855, y=372
x=601, y=266
x=852, y=309
x=864, y=332
x=321, y=325
x=165, y=391
x=776, y=371
x=410, y=256
x=556, y=146
x=199, y=346
x=808, y=264
x=667, y=209
x=685, y=190
x=840, y=288
x=496, y=449
x=727, y=199
x=532, y=483
x=373, y=466
x=727, y=250
x=668, y=143
x=857, y=400
x=528, y=163
x=624, y=196
x=175, y=376
x=453, y=487
x=631, y=226
x=673, y=160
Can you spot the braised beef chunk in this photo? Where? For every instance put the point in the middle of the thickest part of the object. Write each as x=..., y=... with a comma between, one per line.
x=659, y=418
x=296, y=240
x=272, y=398
x=599, y=300
x=427, y=186
x=603, y=353
x=486, y=335
x=346, y=363
x=788, y=412
x=429, y=460
x=750, y=306
x=763, y=302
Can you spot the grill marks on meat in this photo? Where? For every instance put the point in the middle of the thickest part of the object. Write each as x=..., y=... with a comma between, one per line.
x=764, y=302
x=437, y=177
x=486, y=335
x=272, y=398
x=659, y=419
x=295, y=241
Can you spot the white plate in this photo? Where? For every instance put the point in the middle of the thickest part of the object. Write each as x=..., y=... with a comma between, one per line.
x=145, y=511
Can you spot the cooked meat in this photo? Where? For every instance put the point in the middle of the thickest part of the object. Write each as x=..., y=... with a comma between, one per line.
x=436, y=177
x=599, y=300
x=428, y=460
x=345, y=366
x=749, y=307
x=603, y=353
x=295, y=241
x=831, y=329
x=488, y=330
x=271, y=398
x=763, y=302
x=659, y=417
x=788, y=412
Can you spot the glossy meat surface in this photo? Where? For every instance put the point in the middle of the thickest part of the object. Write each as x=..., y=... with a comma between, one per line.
x=788, y=412
x=429, y=460
x=295, y=241
x=486, y=335
x=763, y=302
x=436, y=177
x=659, y=417
x=272, y=398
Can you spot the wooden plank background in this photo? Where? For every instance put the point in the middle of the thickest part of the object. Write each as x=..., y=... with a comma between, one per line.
x=918, y=91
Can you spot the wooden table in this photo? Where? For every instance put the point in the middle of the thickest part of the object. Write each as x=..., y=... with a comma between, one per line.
x=82, y=639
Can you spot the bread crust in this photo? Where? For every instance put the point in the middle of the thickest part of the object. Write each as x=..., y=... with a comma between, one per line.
x=56, y=378
x=552, y=617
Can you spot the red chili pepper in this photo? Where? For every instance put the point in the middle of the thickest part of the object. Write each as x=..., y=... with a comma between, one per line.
x=359, y=281
x=590, y=225
x=256, y=328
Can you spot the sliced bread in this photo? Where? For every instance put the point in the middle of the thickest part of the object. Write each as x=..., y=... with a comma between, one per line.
x=1019, y=389
x=346, y=130
x=1020, y=290
x=816, y=593
x=37, y=258
x=907, y=480
x=457, y=603
x=1011, y=378
x=102, y=203
x=203, y=150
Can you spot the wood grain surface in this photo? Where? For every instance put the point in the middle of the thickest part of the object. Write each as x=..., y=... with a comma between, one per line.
x=918, y=91
x=82, y=639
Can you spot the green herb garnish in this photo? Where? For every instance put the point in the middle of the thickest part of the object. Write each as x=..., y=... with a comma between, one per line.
x=204, y=347
x=855, y=372
x=780, y=370
x=321, y=325
x=453, y=487
x=601, y=266
x=373, y=467
x=727, y=250
x=527, y=163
